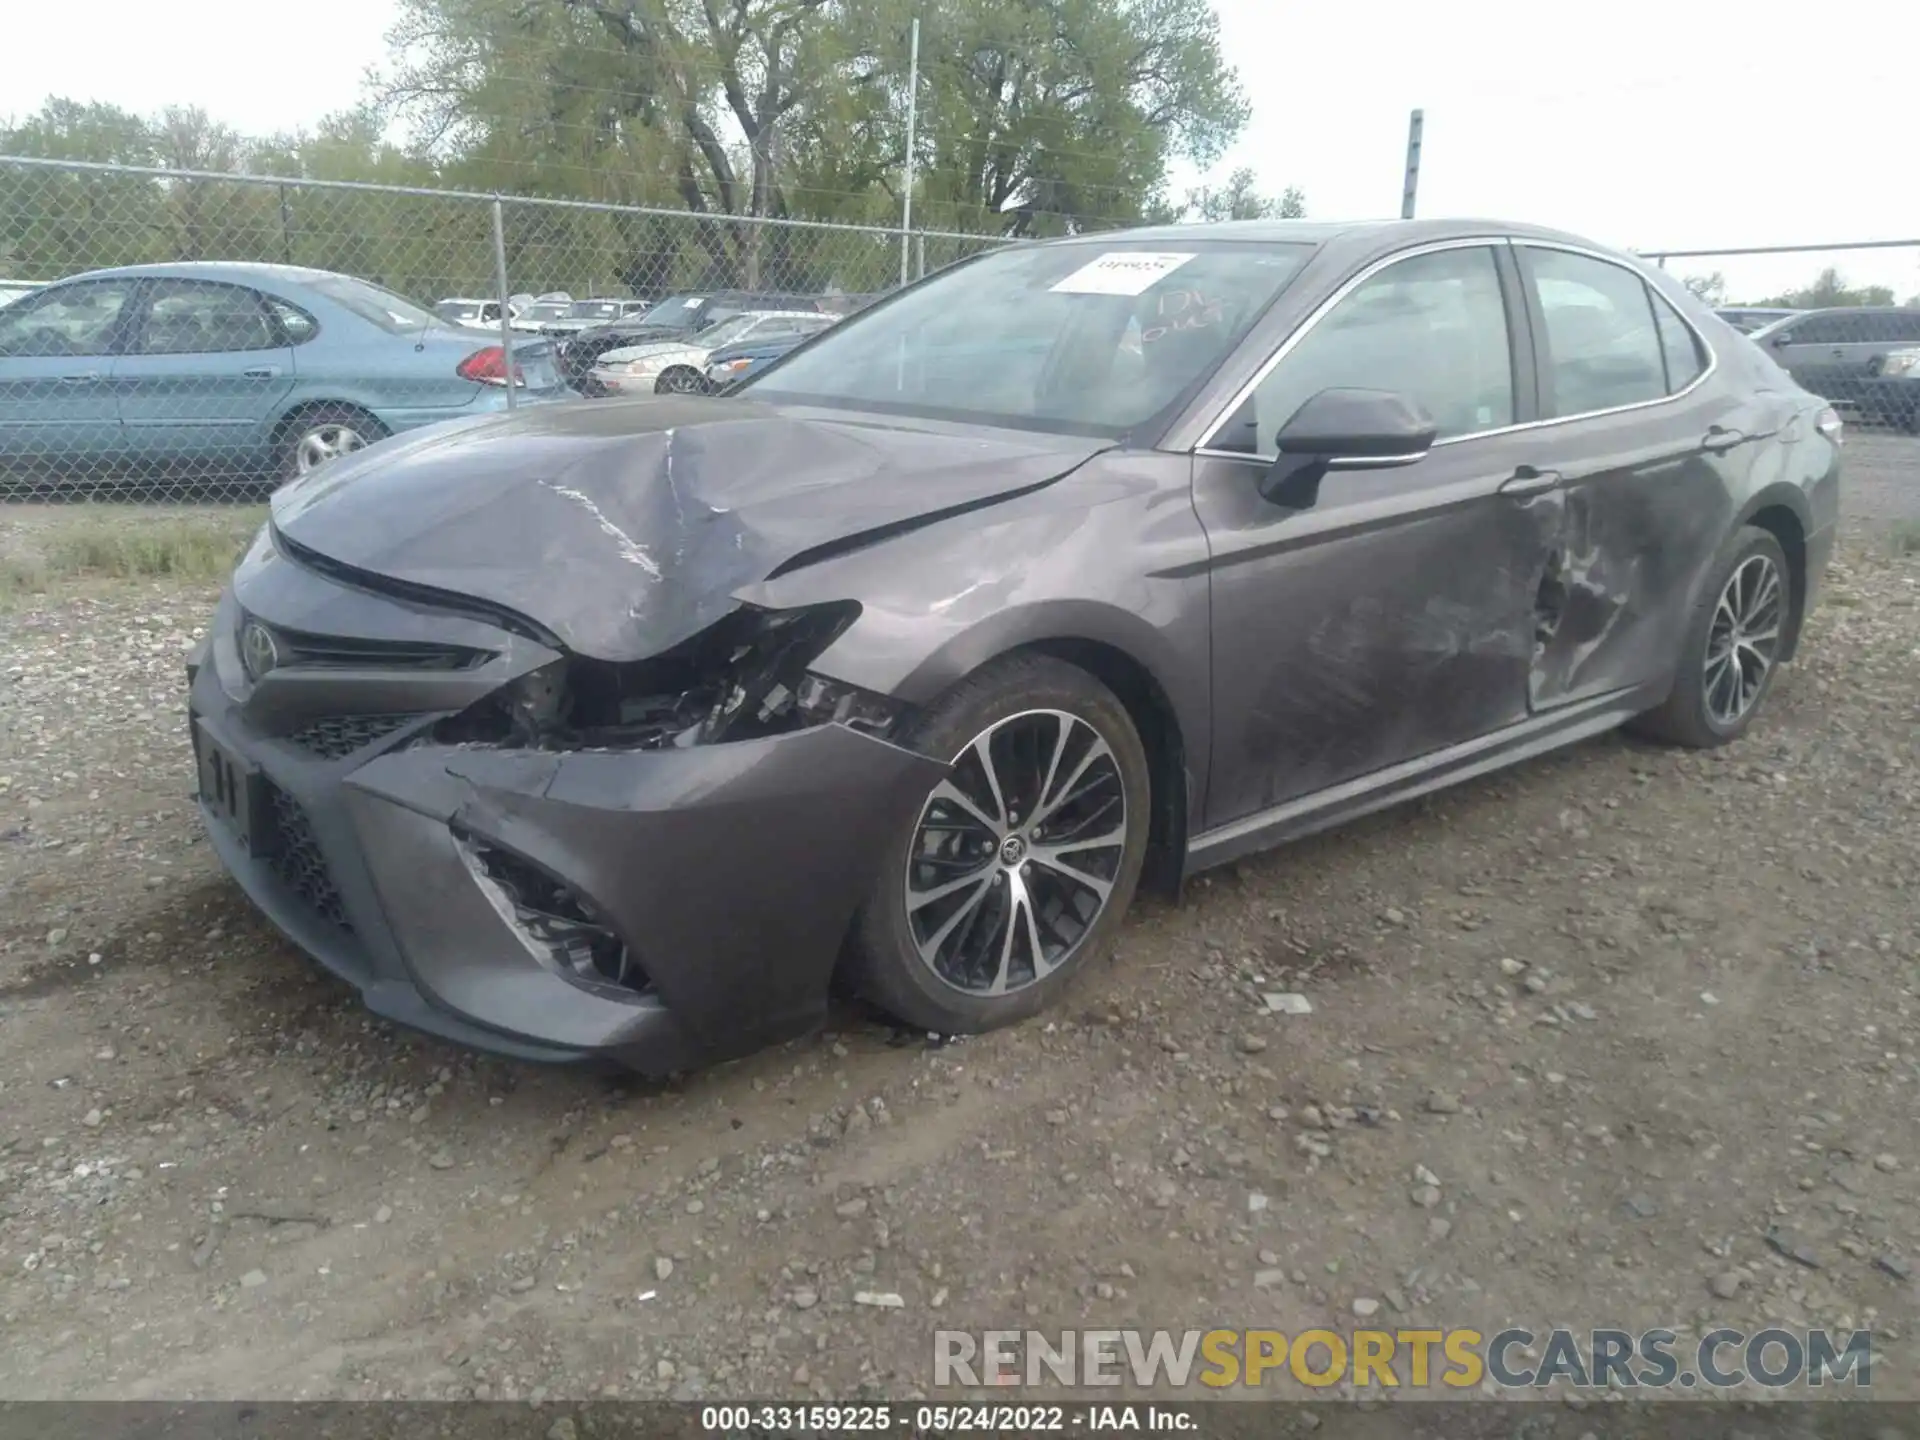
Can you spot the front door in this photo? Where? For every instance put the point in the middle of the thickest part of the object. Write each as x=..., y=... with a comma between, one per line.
x=1393, y=615
x=57, y=411
x=206, y=368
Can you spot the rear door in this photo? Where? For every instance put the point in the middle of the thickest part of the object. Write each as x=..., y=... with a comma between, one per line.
x=57, y=349
x=206, y=369
x=1646, y=451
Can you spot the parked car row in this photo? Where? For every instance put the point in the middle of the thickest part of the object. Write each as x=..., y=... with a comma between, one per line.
x=267, y=371
x=678, y=365
x=680, y=317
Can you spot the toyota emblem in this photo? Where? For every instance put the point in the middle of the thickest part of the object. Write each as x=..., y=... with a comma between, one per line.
x=258, y=652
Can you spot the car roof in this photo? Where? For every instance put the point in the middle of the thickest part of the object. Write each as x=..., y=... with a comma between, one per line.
x=220, y=270
x=1321, y=232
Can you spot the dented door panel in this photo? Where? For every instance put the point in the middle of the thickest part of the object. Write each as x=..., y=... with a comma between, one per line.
x=1647, y=497
x=1389, y=620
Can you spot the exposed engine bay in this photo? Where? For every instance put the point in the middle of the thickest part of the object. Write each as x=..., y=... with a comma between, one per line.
x=740, y=679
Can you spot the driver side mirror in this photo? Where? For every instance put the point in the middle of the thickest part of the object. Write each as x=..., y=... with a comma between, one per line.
x=1784, y=338
x=1346, y=429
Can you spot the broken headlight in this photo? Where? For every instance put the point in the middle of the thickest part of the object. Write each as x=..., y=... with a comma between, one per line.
x=744, y=677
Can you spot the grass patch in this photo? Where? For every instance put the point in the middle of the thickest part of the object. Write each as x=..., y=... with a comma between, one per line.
x=125, y=546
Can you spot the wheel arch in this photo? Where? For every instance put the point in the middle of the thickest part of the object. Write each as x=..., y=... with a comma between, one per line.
x=1782, y=511
x=300, y=409
x=1158, y=723
x=1122, y=651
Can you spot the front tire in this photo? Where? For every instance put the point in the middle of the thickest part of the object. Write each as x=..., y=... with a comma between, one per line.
x=1018, y=867
x=680, y=381
x=1732, y=646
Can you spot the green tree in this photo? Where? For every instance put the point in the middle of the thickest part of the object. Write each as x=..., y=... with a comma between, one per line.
x=53, y=222
x=1034, y=116
x=1711, y=289
x=1829, y=290
x=1240, y=199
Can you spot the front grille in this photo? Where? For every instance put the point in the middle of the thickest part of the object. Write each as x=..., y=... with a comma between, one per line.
x=347, y=652
x=298, y=862
x=334, y=737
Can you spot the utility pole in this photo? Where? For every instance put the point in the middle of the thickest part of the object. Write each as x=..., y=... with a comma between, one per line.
x=913, y=113
x=1413, y=166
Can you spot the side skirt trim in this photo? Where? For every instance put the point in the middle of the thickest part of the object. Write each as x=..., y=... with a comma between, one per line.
x=1324, y=809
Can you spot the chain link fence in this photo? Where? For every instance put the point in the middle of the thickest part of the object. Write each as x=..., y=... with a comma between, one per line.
x=1842, y=319
x=228, y=372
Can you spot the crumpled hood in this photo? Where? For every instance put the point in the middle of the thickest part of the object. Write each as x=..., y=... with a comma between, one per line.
x=624, y=527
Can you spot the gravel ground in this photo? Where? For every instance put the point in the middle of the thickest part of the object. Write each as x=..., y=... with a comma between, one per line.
x=1582, y=1035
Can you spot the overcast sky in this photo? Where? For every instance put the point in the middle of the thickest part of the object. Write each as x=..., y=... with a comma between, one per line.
x=1683, y=124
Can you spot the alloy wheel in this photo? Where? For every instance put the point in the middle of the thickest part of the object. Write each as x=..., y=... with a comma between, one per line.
x=323, y=443
x=1743, y=639
x=1016, y=853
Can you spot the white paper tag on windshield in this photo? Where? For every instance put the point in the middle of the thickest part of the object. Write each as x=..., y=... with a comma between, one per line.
x=1122, y=272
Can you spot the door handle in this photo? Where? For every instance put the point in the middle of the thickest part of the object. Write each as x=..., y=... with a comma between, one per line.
x=261, y=372
x=1528, y=481
x=1720, y=439
x=91, y=377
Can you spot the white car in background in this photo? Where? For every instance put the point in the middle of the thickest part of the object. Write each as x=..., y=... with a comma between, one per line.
x=473, y=314
x=585, y=314
x=544, y=310
x=12, y=290
x=678, y=366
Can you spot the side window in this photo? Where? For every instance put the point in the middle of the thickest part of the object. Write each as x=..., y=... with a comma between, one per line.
x=298, y=326
x=1906, y=327
x=1679, y=345
x=197, y=317
x=1431, y=327
x=1601, y=349
x=1820, y=330
x=66, y=320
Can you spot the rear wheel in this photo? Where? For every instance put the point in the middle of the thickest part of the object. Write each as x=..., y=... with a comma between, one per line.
x=1732, y=646
x=1019, y=866
x=326, y=432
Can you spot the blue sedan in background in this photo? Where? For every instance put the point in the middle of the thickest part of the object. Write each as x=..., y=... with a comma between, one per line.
x=214, y=368
x=730, y=364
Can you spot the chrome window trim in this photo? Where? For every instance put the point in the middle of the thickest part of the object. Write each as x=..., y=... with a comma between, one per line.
x=1514, y=242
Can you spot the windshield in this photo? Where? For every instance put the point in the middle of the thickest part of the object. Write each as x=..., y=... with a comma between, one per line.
x=1096, y=338
x=727, y=331
x=549, y=310
x=681, y=311
x=393, y=313
x=595, y=310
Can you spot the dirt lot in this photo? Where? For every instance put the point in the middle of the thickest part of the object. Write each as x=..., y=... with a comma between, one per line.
x=1582, y=1035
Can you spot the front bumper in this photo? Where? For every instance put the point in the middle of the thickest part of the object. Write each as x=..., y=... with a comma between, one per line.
x=731, y=872
x=620, y=382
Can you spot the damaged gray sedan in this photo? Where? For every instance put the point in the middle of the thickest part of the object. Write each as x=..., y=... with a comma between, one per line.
x=624, y=729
